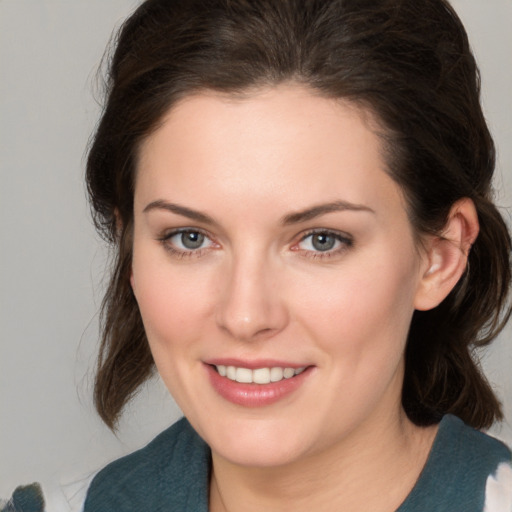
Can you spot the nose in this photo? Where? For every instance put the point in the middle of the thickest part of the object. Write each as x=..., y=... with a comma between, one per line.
x=251, y=305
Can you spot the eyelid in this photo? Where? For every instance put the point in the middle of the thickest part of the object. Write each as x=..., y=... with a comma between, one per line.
x=345, y=240
x=167, y=235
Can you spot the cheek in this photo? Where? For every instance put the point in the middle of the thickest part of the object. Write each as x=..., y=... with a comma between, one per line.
x=173, y=308
x=364, y=310
x=173, y=302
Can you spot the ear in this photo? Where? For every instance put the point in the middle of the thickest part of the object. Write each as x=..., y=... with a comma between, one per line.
x=119, y=222
x=119, y=228
x=447, y=255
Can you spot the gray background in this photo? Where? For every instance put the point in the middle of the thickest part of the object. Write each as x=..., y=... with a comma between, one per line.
x=51, y=261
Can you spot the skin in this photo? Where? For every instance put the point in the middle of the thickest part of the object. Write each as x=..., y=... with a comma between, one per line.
x=258, y=288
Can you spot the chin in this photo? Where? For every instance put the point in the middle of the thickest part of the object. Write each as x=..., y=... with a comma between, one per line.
x=263, y=454
x=257, y=442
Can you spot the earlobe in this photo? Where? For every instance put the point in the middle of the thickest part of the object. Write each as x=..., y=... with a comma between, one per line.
x=447, y=255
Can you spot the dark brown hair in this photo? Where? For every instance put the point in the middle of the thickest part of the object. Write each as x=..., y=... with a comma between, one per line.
x=406, y=61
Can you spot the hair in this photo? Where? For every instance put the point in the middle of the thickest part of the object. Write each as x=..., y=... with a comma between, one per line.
x=409, y=63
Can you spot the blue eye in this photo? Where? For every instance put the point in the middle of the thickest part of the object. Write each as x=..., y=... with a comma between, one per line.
x=324, y=242
x=186, y=240
x=191, y=239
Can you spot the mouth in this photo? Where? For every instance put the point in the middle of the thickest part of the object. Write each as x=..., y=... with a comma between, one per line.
x=265, y=383
x=264, y=375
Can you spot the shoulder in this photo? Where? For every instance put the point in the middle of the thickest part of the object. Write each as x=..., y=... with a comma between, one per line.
x=498, y=489
x=487, y=464
x=474, y=447
x=60, y=495
x=460, y=471
x=172, y=468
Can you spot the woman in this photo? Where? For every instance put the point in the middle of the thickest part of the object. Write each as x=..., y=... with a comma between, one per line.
x=299, y=194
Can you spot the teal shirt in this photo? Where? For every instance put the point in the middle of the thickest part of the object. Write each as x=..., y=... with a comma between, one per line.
x=172, y=473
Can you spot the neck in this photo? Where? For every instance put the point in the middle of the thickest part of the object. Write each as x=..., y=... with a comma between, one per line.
x=373, y=469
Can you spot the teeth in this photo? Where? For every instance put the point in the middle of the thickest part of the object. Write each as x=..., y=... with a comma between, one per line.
x=276, y=374
x=243, y=375
x=261, y=376
x=288, y=372
x=258, y=376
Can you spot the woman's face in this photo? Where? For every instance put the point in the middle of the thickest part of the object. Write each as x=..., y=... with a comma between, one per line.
x=268, y=242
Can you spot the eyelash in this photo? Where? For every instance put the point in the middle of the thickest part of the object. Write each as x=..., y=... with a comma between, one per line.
x=184, y=253
x=345, y=241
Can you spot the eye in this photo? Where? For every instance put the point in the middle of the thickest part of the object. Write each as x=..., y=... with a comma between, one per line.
x=319, y=242
x=322, y=241
x=186, y=242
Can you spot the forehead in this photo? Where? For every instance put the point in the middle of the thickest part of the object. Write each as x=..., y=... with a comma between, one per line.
x=285, y=144
x=275, y=110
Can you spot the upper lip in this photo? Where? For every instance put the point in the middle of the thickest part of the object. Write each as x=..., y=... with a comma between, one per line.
x=254, y=364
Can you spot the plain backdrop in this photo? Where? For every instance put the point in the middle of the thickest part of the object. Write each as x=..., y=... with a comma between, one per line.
x=51, y=261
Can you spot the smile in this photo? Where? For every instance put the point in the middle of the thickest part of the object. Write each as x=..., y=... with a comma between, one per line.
x=258, y=375
x=264, y=384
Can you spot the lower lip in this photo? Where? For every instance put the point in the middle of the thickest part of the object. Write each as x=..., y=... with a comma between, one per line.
x=255, y=395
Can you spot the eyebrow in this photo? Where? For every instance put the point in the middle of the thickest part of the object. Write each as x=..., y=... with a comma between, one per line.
x=322, y=209
x=160, y=204
x=292, y=218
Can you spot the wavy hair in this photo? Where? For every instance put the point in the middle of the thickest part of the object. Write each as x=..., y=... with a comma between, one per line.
x=407, y=62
